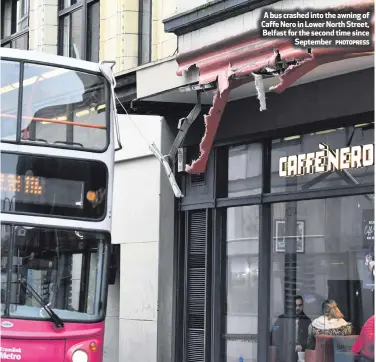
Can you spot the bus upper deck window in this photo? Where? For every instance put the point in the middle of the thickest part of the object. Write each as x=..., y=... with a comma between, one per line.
x=9, y=93
x=63, y=107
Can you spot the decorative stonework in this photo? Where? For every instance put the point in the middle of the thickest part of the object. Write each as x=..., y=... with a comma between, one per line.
x=119, y=32
x=120, y=28
x=43, y=26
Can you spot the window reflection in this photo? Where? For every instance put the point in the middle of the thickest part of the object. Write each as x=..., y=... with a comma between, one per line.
x=242, y=282
x=51, y=115
x=66, y=3
x=22, y=14
x=93, y=32
x=21, y=42
x=6, y=19
x=65, y=34
x=145, y=33
x=71, y=35
x=244, y=170
x=62, y=267
x=15, y=19
x=327, y=258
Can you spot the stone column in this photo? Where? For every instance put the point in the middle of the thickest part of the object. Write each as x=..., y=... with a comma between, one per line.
x=43, y=26
x=164, y=45
x=119, y=33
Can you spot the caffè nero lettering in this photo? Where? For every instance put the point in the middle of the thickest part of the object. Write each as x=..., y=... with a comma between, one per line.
x=327, y=160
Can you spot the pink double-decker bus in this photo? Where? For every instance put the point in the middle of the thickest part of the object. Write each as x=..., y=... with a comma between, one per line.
x=57, y=165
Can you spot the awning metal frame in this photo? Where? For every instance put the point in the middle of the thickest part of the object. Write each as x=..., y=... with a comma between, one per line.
x=183, y=127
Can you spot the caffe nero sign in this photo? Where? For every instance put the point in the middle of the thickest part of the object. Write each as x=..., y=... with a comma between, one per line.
x=327, y=160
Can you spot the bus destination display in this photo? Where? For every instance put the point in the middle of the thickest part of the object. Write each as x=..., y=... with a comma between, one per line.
x=41, y=190
x=12, y=183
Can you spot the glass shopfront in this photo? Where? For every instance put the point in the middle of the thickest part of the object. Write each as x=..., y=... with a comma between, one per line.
x=319, y=252
x=292, y=228
x=242, y=281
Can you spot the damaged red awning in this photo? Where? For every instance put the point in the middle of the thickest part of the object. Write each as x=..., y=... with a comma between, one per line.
x=241, y=59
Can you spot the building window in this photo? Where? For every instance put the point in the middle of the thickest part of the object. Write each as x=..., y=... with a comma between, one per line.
x=67, y=3
x=319, y=252
x=79, y=29
x=15, y=24
x=93, y=32
x=144, y=31
x=244, y=170
x=10, y=74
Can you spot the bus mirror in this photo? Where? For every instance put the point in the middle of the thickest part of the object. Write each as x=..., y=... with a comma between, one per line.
x=113, y=264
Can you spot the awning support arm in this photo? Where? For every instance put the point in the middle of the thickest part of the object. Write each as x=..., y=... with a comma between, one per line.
x=183, y=126
x=169, y=173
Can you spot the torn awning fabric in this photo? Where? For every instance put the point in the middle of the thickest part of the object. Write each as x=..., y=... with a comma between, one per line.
x=243, y=58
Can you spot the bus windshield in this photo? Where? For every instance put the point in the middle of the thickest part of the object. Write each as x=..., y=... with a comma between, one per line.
x=64, y=268
x=53, y=106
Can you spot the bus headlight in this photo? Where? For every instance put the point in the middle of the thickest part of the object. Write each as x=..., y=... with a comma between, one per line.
x=79, y=356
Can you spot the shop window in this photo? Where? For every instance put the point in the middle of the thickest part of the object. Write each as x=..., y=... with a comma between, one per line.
x=14, y=24
x=289, y=174
x=321, y=249
x=79, y=29
x=242, y=282
x=244, y=170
